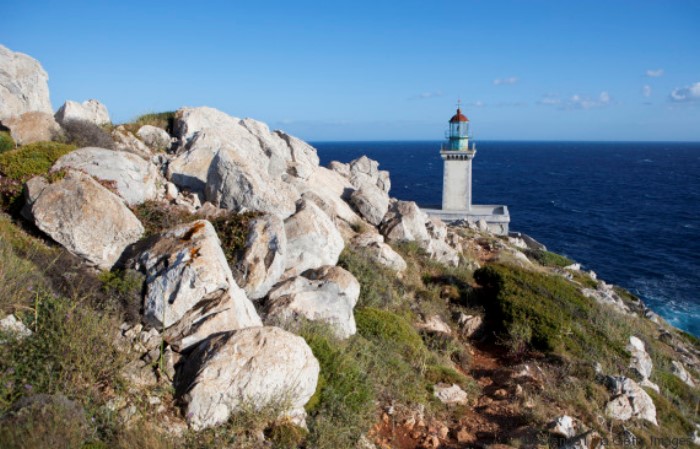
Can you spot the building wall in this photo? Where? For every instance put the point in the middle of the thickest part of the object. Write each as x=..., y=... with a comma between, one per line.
x=457, y=185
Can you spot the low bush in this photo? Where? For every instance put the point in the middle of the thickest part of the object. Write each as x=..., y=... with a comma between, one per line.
x=549, y=259
x=87, y=134
x=389, y=329
x=157, y=217
x=7, y=143
x=163, y=120
x=377, y=284
x=232, y=230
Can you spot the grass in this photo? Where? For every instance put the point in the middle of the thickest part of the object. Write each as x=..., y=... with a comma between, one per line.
x=232, y=230
x=549, y=259
x=157, y=217
x=7, y=143
x=163, y=120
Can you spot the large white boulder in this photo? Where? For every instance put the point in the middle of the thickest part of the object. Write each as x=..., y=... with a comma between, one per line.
x=86, y=218
x=134, y=179
x=680, y=372
x=248, y=369
x=328, y=294
x=23, y=85
x=33, y=127
x=405, y=222
x=629, y=401
x=372, y=245
x=155, y=138
x=187, y=276
x=88, y=111
x=371, y=203
x=640, y=360
x=327, y=189
x=312, y=239
x=363, y=171
x=261, y=262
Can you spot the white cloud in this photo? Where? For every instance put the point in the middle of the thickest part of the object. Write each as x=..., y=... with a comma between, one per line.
x=576, y=101
x=504, y=81
x=651, y=73
x=646, y=90
x=427, y=95
x=550, y=100
x=688, y=94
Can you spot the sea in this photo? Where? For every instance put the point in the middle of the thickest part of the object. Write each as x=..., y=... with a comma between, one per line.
x=630, y=211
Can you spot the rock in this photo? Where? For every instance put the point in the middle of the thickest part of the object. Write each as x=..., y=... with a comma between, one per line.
x=450, y=394
x=140, y=374
x=440, y=251
x=605, y=294
x=629, y=401
x=405, y=222
x=250, y=368
x=680, y=372
x=234, y=183
x=133, y=178
x=373, y=246
x=640, y=361
x=12, y=326
x=562, y=426
x=155, y=138
x=32, y=127
x=646, y=383
x=327, y=189
x=371, y=203
x=125, y=141
x=86, y=218
x=469, y=324
x=312, y=239
x=189, y=283
x=363, y=171
x=23, y=85
x=365, y=443
x=435, y=324
x=327, y=294
x=88, y=111
x=262, y=260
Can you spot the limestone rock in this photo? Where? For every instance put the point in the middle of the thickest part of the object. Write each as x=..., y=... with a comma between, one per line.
x=33, y=127
x=435, y=324
x=640, y=361
x=125, y=141
x=312, y=239
x=133, y=178
x=250, y=368
x=262, y=260
x=405, y=222
x=469, y=324
x=188, y=279
x=440, y=251
x=629, y=401
x=605, y=294
x=327, y=189
x=233, y=183
x=327, y=294
x=155, y=138
x=11, y=325
x=371, y=203
x=86, y=218
x=23, y=85
x=563, y=426
x=450, y=394
x=680, y=372
x=373, y=245
x=363, y=171
x=88, y=111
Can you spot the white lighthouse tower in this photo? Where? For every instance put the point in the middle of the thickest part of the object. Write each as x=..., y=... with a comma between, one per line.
x=457, y=176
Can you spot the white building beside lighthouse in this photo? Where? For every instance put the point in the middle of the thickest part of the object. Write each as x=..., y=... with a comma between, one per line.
x=457, y=182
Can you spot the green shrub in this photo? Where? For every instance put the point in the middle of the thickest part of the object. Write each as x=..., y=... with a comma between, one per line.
x=83, y=134
x=7, y=143
x=444, y=374
x=163, y=120
x=392, y=330
x=376, y=282
x=157, y=217
x=232, y=230
x=549, y=259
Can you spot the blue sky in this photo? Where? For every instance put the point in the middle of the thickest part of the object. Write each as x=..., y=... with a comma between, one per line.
x=365, y=70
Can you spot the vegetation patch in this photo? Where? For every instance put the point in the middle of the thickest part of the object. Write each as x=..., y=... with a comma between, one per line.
x=7, y=143
x=548, y=259
x=232, y=230
x=83, y=134
x=157, y=217
x=163, y=120
x=377, y=284
x=388, y=328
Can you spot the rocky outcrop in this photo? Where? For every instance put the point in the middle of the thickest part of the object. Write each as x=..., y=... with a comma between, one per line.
x=405, y=222
x=133, y=178
x=88, y=111
x=629, y=401
x=363, y=171
x=373, y=246
x=248, y=369
x=328, y=294
x=189, y=283
x=262, y=261
x=605, y=294
x=155, y=138
x=125, y=141
x=23, y=85
x=312, y=239
x=32, y=127
x=640, y=361
x=371, y=203
x=327, y=189
x=680, y=372
x=85, y=218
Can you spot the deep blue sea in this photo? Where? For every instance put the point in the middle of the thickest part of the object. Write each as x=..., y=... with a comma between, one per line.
x=628, y=211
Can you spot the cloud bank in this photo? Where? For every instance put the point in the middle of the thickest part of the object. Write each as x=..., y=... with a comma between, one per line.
x=688, y=94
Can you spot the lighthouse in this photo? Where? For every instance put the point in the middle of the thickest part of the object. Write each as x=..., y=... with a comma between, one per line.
x=457, y=175
x=457, y=183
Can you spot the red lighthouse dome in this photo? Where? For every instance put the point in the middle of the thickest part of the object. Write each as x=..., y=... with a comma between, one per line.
x=459, y=117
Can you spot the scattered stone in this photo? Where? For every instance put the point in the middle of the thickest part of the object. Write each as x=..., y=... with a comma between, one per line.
x=140, y=374
x=88, y=111
x=312, y=239
x=680, y=372
x=155, y=138
x=450, y=394
x=469, y=324
x=33, y=127
x=254, y=367
x=435, y=324
x=640, y=361
x=328, y=294
x=86, y=218
x=12, y=326
x=563, y=426
x=605, y=294
x=133, y=178
x=262, y=260
x=372, y=245
x=629, y=401
x=23, y=85
x=124, y=140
